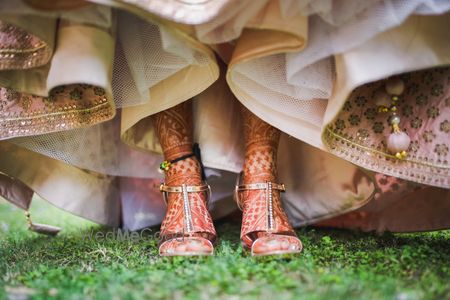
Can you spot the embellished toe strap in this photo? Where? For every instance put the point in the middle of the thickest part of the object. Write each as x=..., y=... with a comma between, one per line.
x=180, y=189
x=187, y=205
x=268, y=186
x=261, y=186
x=184, y=189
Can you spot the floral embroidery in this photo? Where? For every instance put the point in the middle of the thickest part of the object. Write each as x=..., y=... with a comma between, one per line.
x=378, y=127
x=360, y=101
x=354, y=119
x=433, y=112
x=58, y=90
x=11, y=95
x=441, y=149
x=437, y=90
x=340, y=124
x=347, y=106
x=370, y=113
x=383, y=180
x=407, y=110
x=421, y=99
x=51, y=98
x=30, y=114
x=416, y=122
x=428, y=136
x=445, y=126
x=76, y=94
x=49, y=101
x=423, y=109
x=99, y=91
x=362, y=134
x=414, y=147
x=25, y=102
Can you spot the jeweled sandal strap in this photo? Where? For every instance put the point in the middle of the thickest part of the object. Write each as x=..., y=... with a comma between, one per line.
x=179, y=189
x=185, y=189
x=257, y=186
x=268, y=187
x=261, y=186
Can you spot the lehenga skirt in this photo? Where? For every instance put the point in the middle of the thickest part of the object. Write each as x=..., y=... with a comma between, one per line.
x=80, y=79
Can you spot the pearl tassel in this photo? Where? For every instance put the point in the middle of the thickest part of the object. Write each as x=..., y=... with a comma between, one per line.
x=398, y=141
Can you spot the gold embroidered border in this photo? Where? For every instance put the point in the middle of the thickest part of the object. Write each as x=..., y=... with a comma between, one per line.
x=425, y=172
x=24, y=59
x=56, y=121
x=14, y=51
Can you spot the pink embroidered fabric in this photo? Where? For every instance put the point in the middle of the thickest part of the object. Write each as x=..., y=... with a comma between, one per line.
x=359, y=132
x=20, y=49
x=67, y=107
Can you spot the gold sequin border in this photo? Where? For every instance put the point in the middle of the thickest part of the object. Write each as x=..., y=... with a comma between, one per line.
x=425, y=172
x=56, y=121
x=13, y=59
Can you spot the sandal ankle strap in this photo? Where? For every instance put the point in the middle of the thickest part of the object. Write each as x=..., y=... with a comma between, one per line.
x=268, y=186
x=261, y=186
x=163, y=188
x=189, y=188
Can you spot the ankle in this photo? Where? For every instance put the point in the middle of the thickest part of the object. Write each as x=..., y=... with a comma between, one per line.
x=187, y=171
x=256, y=177
x=260, y=164
x=176, y=151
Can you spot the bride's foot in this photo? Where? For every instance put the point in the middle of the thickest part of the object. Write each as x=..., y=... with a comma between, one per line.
x=187, y=228
x=265, y=226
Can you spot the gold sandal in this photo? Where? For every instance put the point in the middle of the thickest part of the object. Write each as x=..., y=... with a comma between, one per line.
x=187, y=229
x=265, y=227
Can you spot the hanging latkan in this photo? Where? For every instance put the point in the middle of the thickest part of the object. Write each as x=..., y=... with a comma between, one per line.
x=387, y=101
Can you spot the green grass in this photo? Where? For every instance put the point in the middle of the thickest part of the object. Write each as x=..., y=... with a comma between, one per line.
x=334, y=265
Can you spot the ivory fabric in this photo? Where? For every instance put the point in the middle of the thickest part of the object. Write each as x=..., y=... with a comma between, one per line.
x=289, y=62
